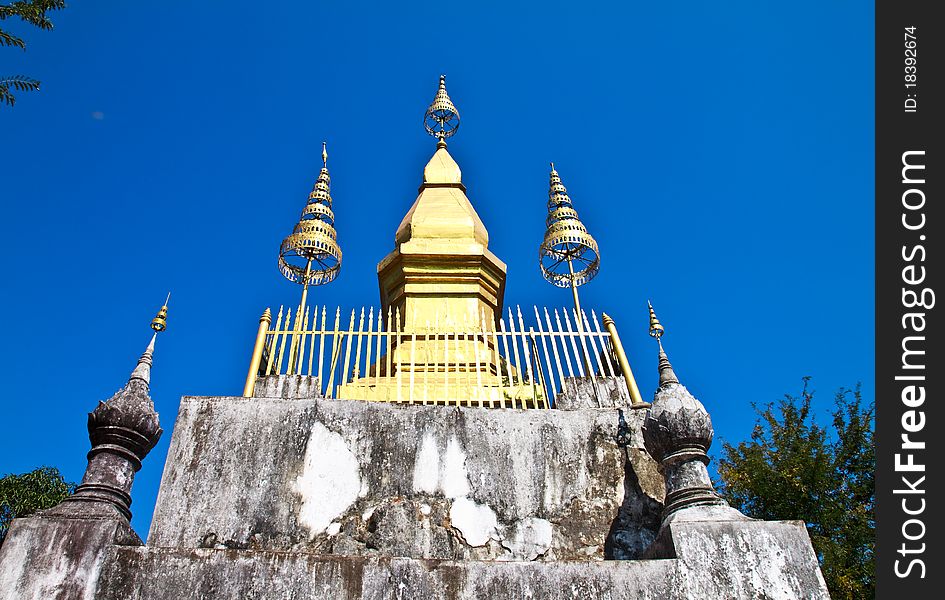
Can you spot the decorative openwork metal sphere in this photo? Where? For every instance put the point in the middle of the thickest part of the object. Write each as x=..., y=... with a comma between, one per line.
x=312, y=246
x=568, y=256
x=441, y=119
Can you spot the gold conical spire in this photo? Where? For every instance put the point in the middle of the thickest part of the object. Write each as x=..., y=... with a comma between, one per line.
x=656, y=329
x=441, y=119
x=568, y=255
x=310, y=255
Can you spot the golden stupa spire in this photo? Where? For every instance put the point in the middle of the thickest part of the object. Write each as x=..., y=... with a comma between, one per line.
x=568, y=256
x=441, y=119
x=310, y=255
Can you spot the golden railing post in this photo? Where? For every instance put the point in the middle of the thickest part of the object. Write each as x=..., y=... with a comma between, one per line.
x=264, y=322
x=635, y=397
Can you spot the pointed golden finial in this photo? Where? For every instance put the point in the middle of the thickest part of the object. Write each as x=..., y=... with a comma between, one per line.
x=310, y=255
x=656, y=329
x=159, y=322
x=441, y=119
x=568, y=255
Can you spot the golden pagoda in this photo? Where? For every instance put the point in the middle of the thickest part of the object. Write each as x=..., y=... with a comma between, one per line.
x=441, y=334
x=440, y=278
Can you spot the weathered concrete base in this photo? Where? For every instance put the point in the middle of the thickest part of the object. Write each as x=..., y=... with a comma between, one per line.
x=369, y=478
x=596, y=392
x=153, y=574
x=743, y=558
x=59, y=553
x=288, y=386
x=324, y=499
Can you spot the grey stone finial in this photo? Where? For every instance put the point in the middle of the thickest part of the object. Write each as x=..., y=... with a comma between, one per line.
x=122, y=430
x=677, y=433
x=667, y=375
x=143, y=368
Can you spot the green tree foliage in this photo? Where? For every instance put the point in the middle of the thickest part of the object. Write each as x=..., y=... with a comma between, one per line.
x=34, y=13
x=794, y=469
x=22, y=495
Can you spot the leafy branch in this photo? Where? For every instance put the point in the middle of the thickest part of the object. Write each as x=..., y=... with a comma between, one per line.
x=32, y=12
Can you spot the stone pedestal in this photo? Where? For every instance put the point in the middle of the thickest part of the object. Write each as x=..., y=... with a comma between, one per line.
x=60, y=553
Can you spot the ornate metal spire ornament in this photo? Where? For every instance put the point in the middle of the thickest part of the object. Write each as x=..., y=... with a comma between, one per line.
x=159, y=322
x=441, y=119
x=656, y=329
x=310, y=255
x=667, y=375
x=568, y=255
x=567, y=245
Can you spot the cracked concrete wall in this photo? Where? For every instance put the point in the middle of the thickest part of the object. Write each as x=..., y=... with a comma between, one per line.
x=361, y=478
x=747, y=559
x=59, y=553
x=152, y=574
x=713, y=559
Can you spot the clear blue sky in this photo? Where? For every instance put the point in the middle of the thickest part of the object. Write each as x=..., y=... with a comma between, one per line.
x=721, y=153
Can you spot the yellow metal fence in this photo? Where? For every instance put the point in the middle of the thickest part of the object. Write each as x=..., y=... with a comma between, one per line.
x=512, y=363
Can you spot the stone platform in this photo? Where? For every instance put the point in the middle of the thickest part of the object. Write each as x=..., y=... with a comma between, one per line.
x=367, y=478
x=309, y=498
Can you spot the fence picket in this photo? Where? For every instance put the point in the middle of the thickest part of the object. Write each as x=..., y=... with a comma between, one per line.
x=590, y=335
x=577, y=354
x=399, y=326
x=367, y=358
x=272, y=344
x=518, y=360
x=550, y=378
x=321, y=350
x=335, y=350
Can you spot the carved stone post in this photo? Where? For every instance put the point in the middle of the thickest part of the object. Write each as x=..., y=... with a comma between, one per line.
x=122, y=431
x=677, y=433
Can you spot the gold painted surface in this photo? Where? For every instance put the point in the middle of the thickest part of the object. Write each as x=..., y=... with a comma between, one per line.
x=440, y=278
x=622, y=361
x=256, y=357
x=441, y=271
